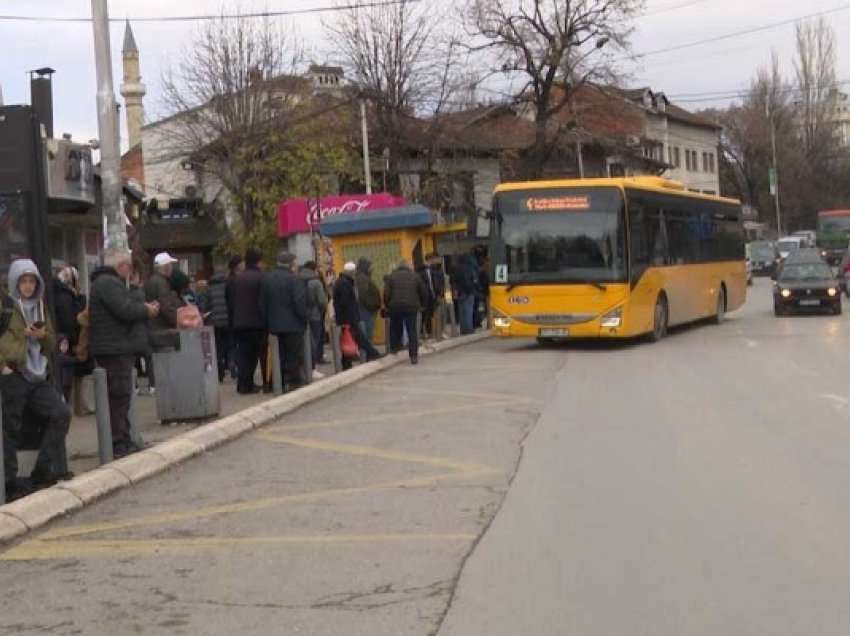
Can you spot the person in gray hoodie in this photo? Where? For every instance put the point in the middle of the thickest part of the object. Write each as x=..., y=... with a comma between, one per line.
x=24, y=368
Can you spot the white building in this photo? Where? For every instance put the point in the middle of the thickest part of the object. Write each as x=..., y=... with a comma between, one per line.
x=689, y=143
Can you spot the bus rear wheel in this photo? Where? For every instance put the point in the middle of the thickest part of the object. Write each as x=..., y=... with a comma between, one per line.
x=660, y=321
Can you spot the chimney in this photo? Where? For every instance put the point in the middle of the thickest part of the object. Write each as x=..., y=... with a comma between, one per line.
x=41, y=96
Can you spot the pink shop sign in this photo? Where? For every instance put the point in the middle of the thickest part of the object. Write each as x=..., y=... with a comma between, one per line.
x=297, y=216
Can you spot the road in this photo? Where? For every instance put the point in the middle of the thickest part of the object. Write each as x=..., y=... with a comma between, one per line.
x=694, y=486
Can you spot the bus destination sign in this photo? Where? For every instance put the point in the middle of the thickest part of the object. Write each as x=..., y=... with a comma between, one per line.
x=557, y=204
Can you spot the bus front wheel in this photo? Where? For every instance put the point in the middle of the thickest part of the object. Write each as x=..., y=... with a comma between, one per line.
x=720, y=312
x=661, y=317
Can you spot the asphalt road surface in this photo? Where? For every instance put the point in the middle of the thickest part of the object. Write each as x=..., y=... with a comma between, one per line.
x=695, y=486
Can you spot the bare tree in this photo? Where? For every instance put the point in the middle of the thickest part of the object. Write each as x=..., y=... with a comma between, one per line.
x=557, y=46
x=234, y=83
x=401, y=60
x=814, y=67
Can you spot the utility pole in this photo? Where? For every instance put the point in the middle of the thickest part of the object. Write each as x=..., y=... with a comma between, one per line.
x=107, y=124
x=774, y=177
x=365, y=131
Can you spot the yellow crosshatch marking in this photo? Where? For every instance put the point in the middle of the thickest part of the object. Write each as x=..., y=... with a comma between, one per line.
x=63, y=543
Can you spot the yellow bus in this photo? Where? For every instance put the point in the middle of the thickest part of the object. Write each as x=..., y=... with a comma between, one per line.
x=612, y=258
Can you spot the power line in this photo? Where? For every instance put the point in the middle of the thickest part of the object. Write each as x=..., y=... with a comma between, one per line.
x=735, y=34
x=673, y=7
x=209, y=17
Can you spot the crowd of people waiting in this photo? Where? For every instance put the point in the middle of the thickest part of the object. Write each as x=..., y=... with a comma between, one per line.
x=124, y=320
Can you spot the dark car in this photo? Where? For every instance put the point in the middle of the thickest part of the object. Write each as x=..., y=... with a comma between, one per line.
x=764, y=257
x=805, y=285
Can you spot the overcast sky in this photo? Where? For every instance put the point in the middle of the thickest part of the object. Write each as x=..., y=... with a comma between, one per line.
x=683, y=74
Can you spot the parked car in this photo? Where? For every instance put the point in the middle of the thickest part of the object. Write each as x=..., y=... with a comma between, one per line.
x=788, y=244
x=764, y=257
x=806, y=285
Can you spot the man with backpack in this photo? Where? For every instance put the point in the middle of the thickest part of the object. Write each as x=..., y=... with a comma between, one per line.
x=26, y=341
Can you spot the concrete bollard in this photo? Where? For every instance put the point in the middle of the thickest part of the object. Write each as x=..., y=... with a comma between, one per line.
x=307, y=365
x=337, y=353
x=277, y=372
x=387, y=341
x=438, y=321
x=135, y=425
x=2, y=464
x=101, y=412
x=454, y=330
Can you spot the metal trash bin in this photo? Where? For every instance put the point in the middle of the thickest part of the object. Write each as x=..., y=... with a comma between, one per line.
x=187, y=386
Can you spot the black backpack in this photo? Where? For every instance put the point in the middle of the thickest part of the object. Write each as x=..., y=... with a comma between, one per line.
x=7, y=308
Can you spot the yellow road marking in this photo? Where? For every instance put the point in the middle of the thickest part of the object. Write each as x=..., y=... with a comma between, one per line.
x=383, y=417
x=380, y=453
x=57, y=543
x=250, y=506
x=386, y=386
x=70, y=549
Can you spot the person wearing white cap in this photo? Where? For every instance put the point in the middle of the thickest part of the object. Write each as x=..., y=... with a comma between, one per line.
x=158, y=288
x=347, y=312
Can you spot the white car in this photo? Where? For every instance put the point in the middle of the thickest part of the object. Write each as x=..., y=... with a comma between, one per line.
x=788, y=244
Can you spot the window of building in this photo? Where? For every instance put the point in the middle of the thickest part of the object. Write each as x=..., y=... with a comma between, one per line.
x=711, y=162
x=677, y=159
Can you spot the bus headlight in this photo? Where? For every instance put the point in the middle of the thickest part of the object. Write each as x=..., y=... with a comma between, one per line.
x=832, y=291
x=786, y=293
x=501, y=322
x=612, y=319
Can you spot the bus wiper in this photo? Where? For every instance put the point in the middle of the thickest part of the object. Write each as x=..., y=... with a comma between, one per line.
x=597, y=285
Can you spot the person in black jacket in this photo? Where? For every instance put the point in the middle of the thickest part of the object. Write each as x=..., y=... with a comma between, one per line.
x=68, y=303
x=235, y=266
x=347, y=312
x=117, y=333
x=248, y=323
x=405, y=295
x=283, y=305
x=219, y=320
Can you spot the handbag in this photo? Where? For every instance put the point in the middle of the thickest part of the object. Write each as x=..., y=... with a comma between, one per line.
x=347, y=344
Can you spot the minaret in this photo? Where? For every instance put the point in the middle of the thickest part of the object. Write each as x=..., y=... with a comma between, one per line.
x=132, y=89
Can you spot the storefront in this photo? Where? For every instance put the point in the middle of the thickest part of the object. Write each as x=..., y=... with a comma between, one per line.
x=299, y=222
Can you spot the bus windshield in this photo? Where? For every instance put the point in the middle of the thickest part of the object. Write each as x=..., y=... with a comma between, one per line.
x=562, y=235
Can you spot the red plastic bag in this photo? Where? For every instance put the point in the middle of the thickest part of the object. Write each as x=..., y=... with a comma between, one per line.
x=347, y=344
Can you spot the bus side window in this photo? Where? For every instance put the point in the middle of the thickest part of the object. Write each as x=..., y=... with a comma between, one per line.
x=647, y=236
x=682, y=238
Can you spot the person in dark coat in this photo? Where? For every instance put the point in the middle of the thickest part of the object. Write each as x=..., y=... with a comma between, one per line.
x=159, y=289
x=283, y=305
x=248, y=323
x=317, y=305
x=347, y=312
x=235, y=266
x=219, y=320
x=117, y=334
x=466, y=285
x=435, y=283
x=68, y=303
x=369, y=297
x=405, y=295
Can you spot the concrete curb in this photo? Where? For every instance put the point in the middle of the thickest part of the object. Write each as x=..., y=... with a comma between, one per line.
x=36, y=510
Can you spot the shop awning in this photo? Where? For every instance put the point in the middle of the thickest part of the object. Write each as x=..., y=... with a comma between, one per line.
x=408, y=216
